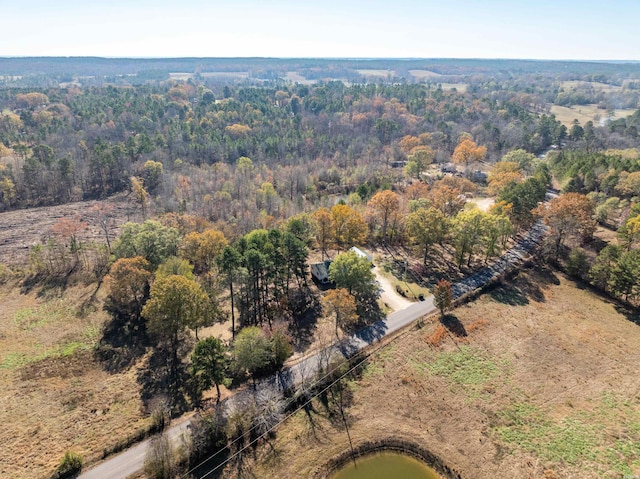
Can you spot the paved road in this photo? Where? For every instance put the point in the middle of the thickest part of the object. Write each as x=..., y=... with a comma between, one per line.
x=132, y=460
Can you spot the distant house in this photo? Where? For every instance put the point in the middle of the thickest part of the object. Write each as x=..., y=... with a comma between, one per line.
x=361, y=253
x=320, y=271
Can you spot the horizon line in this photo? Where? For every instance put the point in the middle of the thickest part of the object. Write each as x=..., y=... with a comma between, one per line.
x=346, y=58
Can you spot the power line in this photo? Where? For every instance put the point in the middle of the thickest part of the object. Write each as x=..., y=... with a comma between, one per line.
x=365, y=358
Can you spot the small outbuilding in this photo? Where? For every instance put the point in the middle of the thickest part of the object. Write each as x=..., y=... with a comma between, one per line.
x=361, y=253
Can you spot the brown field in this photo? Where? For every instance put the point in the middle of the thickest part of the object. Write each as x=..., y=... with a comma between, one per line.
x=584, y=113
x=573, y=84
x=295, y=77
x=543, y=385
x=55, y=397
x=422, y=74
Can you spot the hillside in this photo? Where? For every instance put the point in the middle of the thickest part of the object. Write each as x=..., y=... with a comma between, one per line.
x=540, y=381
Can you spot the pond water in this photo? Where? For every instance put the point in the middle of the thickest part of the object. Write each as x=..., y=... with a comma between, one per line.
x=386, y=465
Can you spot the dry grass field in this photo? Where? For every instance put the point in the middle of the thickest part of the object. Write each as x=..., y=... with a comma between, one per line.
x=573, y=84
x=423, y=74
x=536, y=379
x=584, y=113
x=54, y=397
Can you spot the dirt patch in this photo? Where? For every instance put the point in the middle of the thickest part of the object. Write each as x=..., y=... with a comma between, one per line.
x=388, y=294
x=544, y=384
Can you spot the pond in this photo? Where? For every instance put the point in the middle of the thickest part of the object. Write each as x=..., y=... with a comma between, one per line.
x=386, y=465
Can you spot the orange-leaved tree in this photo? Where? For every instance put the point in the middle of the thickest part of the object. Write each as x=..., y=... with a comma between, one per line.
x=341, y=303
x=467, y=151
x=443, y=296
x=385, y=204
x=348, y=226
x=568, y=216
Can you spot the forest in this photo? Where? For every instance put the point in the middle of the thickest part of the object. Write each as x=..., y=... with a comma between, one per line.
x=233, y=185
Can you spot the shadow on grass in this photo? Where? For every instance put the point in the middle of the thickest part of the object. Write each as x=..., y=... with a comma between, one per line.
x=525, y=287
x=630, y=313
x=453, y=324
x=124, y=341
x=305, y=310
x=510, y=295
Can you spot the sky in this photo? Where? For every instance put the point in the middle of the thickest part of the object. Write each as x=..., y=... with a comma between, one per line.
x=560, y=29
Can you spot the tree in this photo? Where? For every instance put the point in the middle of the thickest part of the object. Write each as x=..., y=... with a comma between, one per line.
x=443, y=296
x=151, y=240
x=521, y=157
x=229, y=261
x=140, y=194
x=174, y=265
x=503, y=173
x=203, y=248
x=208, y=363
x=604, y=266
x=386, y=205
x=152, y=174
x=175, y=303
x=624, y=280
x=447, y=199
x=341, y=303
x=252, y=351
x=629, y=233
x=281, y=347
x=569, y=215
x=467, y=151
x=68, y=229
x=353, y=272
x=103, y=213
x=420, y=158
x=128, y=282
x=523, y=198
x=322, y=217
x=348, y=226
x=497, y=230
x=427, y=226
x=302, y=227
x=468, y=230
x=159, y=461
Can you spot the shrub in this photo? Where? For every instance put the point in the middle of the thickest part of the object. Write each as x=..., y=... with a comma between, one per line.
x=71, y=464
x=159, y=462
x=578, y=263
x=5, y=273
